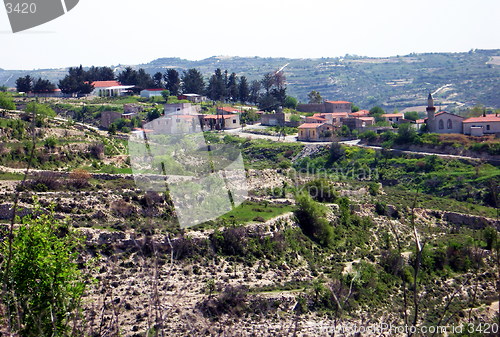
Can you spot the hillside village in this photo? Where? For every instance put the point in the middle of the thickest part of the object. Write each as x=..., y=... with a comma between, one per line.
x=353, y=215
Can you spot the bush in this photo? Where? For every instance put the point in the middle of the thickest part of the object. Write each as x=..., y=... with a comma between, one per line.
x=6, y=102
x=311, y=217
x=123, y=209
x=79, y=178
x=369, y=135
x=373, y=188
x=45, y=181
x=97, y=150
x=42, y=284
x=321, y=190
x=231, y=301
x=380, y=208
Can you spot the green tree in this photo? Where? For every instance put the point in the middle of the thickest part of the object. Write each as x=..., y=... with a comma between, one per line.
x=311, y=217
x=217, y=86
x=41, y=111
x=165, y=94
x=24, y=84
x=76, y=82
x=6, y=102
x=193, y=82
x=42, y=285
x=255, y=89
x=173, y=81
x=314, y=97
x=99, y=74
x=291, y=102
x=158, y=80
x=376, y=110
x=243, y=90
x=232, y=87
x=406, y=134
x=411, y=115
x=43, y=86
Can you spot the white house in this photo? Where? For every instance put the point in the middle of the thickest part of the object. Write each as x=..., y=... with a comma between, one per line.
x=109, y=89
x=478, y=126
x=148, y=93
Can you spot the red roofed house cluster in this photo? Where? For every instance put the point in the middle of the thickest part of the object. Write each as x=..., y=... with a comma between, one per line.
x=446, y=122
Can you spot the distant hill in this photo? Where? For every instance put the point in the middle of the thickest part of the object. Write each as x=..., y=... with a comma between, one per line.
x=395, y=82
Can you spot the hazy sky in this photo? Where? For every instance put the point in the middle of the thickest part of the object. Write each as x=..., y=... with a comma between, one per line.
x=111, y=32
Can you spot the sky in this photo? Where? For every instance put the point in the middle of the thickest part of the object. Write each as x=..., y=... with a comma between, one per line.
x=112, y=32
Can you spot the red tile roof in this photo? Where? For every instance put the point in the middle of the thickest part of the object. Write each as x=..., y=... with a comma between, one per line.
x=218, y=116
x=228, y=109
x=105, y=84
x=336, y=114
x=488, y=119
x=446, y=112
x=360, y=113
x=338, y=102
x=310, y=125
x=392, y=115
x=316, y=118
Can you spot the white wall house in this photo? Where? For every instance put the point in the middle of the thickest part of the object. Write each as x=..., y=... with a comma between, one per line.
x=148, y=93
x=109, y=89
x=478, y=126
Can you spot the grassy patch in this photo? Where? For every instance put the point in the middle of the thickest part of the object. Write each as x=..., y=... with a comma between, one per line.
x=404, y=198
x=250, y=211
x=10, y=176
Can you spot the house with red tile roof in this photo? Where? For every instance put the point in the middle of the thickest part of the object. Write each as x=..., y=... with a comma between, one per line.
x=393, y=118
x=228, y=110
x=109, y=89
x=316, y=132
x=360, y=113
x=478, y=126
x=220, y=122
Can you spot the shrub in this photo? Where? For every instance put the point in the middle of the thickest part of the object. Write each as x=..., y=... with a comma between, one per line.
x=6, y=102
x=380, y=208
x=44, y=181
x=373, y=188
x=490, y=237
x=79, y=178
x=337, y=152
x=232, y=301
x=123, y=209
x=321, y=190
x=311, y=217
x=369, y=135
x=42, y=284
x=97, y=150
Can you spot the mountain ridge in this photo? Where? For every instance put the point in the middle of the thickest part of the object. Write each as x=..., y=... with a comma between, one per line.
x=396, y=82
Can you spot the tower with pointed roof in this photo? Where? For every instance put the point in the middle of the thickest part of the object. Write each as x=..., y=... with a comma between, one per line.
x=431, y=111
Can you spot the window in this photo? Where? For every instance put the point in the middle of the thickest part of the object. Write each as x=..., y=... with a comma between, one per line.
x=449, y=124
x=488, y=127
x=441, y=124
x=234, y=121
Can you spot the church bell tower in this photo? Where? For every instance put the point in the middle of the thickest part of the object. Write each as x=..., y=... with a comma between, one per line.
x=431, y=111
